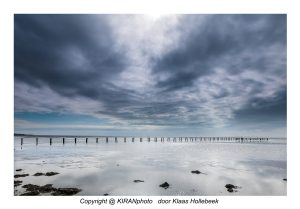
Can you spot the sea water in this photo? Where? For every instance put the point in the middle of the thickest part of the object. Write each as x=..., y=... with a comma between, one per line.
x=257, y=168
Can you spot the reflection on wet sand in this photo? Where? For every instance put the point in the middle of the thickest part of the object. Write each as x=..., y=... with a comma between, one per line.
x=112, y=168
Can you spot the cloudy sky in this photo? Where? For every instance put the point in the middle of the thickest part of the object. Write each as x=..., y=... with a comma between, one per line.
x=152, y=75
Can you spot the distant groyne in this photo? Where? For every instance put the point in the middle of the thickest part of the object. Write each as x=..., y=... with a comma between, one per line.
x=116, y=139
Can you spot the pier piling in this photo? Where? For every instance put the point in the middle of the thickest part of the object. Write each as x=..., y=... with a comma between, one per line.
x=237, y=139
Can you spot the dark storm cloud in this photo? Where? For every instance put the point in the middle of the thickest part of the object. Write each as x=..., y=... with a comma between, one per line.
x=234, y=42
x=265, y=110
x=218, y=68
x=72, y=54
x=249, y=49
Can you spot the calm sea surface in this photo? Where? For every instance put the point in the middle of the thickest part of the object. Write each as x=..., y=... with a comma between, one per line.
x=258, y=168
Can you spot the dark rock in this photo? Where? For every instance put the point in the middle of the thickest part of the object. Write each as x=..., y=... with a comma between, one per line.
x=31, y=187
x=41, y=189
x=230, y=190
x=105, y=194
x=65, y=191
x=165, y=185
x=21, y=175
x=284, y=179
x=51, y=173
x=32, y=193
x=137, y=181
x=231, y=187
x=17, y=183
x=196, y=172
x=19, y=169
x=39, y=174
x=47, y=188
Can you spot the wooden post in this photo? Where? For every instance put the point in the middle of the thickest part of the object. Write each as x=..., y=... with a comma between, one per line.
x=132, y=139
x=21, y=141
x=63, y=140
x=124, y=139
x=116, y=139
x=36, y=141
x=75, y=140
x=148, y=139
x=86, y=140
x=50, y=141
x=141, y=139
x=106, y=139
x=97, y=140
